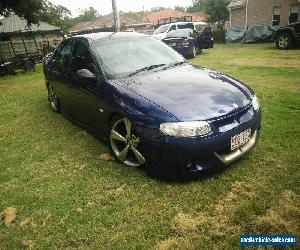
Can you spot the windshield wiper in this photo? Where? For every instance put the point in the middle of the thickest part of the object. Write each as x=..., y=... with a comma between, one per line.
x=151, y=67
x=175, y=64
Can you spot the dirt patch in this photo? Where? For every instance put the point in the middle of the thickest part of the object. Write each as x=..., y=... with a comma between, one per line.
x=9, y=215
x=273, y=63
x=106, y=157
x=25, y=222
x=28, y=244
x=281, y=217
x=217, y=223
x=166, y=244
x=184, y=223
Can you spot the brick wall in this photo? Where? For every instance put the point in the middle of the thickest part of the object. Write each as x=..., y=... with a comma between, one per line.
x=238, y=18
x=260, y=12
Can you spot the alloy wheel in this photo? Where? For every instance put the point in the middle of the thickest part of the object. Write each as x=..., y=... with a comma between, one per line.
x=283, y=41
x=125, y=144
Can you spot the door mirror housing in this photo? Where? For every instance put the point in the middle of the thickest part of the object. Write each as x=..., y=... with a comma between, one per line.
x=85, y=74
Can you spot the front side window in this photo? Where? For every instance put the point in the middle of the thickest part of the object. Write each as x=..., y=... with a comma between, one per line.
x=82, y=58
x=294, y=14
x=276, y=16
x=122, y=57
x=62, y=55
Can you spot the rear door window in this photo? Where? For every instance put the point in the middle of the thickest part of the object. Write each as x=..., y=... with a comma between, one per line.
x=173, y=27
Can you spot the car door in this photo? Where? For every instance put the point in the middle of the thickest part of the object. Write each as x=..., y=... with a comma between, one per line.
x=59, y=72
x=206, y=40
x=86, y=94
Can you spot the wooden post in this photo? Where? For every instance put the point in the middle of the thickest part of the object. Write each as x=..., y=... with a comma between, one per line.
x=24, y=44
x=116, y=15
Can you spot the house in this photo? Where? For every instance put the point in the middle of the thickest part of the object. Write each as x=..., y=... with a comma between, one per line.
x=106, y=23
x=156, y=18
x=142, y=22
x=247, y=13
x=14, y=31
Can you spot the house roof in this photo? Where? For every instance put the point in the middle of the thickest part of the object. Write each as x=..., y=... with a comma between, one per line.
x=234, y=4
x=108, y=21
x=14, y=24
x=110, y=35
x=155, y=16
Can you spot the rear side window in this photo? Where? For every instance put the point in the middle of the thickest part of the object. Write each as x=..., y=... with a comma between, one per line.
x=173, y=27
x=185, y=26
x=195, y=34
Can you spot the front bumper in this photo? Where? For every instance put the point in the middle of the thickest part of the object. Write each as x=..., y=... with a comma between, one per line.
x=233, y=156
x=197, y=154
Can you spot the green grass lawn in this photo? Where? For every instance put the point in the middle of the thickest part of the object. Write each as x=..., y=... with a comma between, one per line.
x=66, y=197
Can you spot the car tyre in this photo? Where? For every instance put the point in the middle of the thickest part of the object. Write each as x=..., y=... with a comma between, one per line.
x=125, y=143
x=53, y=99
x=29, y=66
x=200, y=51
x=284, y=41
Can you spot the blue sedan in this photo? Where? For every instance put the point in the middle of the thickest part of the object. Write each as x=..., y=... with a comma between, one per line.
x=154, y=108
x=188, y=42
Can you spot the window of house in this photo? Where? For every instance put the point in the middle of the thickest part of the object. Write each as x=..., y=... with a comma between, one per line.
x=276, y=16
x=294, y=14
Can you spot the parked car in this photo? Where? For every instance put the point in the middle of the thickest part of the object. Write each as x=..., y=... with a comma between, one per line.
x=188, y=42
x=162, y=31
x=154, y=108
x=288, y=37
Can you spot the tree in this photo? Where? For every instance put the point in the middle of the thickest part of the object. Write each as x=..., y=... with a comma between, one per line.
x=88, y=14
x=196, y=7
x=157, y=8
x=56, y=15
x=179, y=8
x=34, y=11
x=30, y=10
x=217, y=11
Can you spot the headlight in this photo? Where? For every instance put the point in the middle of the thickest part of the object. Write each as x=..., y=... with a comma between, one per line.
x=185, y=129
x=255, y=103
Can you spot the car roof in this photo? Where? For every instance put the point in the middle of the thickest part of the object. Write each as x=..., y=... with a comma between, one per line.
x=110, y=35
x=183, y=23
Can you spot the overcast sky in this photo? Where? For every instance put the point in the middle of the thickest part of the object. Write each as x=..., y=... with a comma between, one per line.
x=104, y=6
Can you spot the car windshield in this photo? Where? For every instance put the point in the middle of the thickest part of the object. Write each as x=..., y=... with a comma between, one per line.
x=128, y=56
x=162, y=29
x=179, y=33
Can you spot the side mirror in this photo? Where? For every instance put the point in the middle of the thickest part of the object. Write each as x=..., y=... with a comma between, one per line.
x=85, y=74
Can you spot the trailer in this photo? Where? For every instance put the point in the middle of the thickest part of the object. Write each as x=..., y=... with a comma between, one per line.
x=22, y=55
